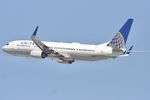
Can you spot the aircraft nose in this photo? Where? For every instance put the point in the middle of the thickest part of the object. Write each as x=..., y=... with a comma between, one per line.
x=5, y=48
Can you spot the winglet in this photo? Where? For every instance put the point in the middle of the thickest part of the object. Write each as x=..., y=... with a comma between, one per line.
x=34, y=33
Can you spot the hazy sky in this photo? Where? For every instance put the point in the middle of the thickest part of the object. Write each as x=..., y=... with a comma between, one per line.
x=84, y=21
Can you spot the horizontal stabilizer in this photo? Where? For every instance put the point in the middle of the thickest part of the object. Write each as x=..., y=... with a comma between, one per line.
x=129, y=51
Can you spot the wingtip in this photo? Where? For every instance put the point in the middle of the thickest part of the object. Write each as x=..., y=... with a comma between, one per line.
x=131, y=19
x=34, y=33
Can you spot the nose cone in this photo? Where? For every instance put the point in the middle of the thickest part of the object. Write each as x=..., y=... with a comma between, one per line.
x=5, y=48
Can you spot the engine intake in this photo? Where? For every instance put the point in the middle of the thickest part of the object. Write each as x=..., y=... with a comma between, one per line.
x=38, y=54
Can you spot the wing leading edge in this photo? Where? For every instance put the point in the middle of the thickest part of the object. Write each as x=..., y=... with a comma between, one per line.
x=46, y=50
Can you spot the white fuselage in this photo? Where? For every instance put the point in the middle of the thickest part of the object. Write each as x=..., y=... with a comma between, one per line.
x=68, y=53
x=75, y=51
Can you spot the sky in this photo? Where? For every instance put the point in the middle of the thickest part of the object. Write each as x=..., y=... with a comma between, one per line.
x=84, y=21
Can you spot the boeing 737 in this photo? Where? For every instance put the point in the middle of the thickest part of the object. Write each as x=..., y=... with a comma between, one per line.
x=68, y=53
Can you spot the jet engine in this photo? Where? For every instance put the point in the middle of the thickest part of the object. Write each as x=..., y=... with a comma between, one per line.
x=38, y=54
x=65, y=61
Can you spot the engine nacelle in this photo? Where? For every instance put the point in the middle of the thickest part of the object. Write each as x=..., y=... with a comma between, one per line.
x=36, y=54
x=65, y=61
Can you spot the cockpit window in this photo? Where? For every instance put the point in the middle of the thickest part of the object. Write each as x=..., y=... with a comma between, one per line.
x=7, y=44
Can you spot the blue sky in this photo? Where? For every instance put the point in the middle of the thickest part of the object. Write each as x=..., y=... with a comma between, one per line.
x=84, y=21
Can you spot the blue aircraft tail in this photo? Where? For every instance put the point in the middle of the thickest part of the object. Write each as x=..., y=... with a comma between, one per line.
x=120, y=39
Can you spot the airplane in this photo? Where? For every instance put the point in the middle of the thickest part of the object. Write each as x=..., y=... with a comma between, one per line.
x=67, y=53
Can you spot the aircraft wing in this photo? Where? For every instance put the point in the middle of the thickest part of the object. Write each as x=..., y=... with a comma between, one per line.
x=37, y=41
x=46, y=50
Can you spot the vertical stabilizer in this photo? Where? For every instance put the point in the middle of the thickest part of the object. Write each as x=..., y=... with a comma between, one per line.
x=120, y=39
